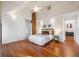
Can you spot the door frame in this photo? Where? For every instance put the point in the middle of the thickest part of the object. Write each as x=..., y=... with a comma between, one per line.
x=72, y=13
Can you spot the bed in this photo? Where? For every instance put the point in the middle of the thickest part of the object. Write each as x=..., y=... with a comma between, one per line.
x=41, y=39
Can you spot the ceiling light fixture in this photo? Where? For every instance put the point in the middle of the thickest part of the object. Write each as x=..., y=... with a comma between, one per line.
x=12, y=15
x=36, y=8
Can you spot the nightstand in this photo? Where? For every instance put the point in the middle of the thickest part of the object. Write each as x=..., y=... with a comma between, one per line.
x=56, y=38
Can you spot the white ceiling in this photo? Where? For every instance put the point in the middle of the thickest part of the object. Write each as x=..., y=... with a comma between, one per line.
x=15, y=5
x=18, y=5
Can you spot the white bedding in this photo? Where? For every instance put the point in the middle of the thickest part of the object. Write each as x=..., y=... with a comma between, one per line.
x=40, y=39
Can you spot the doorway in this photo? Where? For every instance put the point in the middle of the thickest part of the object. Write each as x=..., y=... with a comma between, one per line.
x=70, y=26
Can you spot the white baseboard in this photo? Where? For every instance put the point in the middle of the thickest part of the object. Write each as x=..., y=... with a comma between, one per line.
x=77, y=40
x=13, y=40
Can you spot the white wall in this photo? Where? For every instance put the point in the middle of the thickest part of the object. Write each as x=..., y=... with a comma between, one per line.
x=15, y=27
x=77, y=29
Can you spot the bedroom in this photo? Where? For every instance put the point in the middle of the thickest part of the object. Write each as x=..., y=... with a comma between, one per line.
x=29, y=27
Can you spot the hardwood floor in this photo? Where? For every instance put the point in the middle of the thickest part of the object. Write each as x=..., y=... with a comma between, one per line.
x=53, y=49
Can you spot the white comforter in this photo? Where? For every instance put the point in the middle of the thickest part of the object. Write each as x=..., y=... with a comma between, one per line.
x=40, y=39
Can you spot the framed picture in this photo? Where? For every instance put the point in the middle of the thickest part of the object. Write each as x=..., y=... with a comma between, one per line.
x=70, y=25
